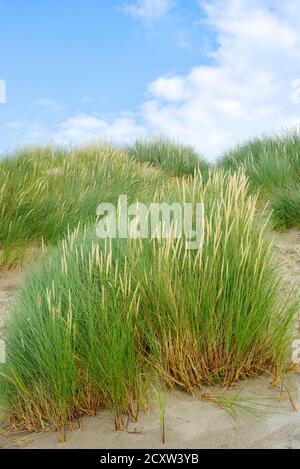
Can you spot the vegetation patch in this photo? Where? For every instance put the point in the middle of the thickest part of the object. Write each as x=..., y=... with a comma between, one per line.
x=47, y=191
x=174, y=158
x=96, y=320
x=286, y=208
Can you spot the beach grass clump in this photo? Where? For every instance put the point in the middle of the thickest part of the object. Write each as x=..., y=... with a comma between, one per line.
x=270, y=162
x=217, y=314
x=71, y=345
x=285, y=205
x=172, y=157
x=46, y=190
x=97, y=319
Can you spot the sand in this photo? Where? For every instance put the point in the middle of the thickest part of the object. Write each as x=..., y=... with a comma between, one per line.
x=190, y=421
x=9, y=282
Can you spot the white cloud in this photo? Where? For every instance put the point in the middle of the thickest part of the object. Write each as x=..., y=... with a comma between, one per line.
x=49, y=104
x=149, y=9
x=172, y=90
x=26, y=131
x=84, y=127
x=80, y=128
x=246, y=90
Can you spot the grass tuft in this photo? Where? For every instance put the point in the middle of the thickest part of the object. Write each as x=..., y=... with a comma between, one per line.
x=173, y=158
x=286, y=208
x=96, y=319
x=272, y=165
x=46, y=191
x=269, y=162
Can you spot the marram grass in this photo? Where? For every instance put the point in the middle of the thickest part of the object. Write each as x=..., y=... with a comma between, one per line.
x=272, y=165
x=44, y=191
x=285, y=205
x=96, y=320
x=270, y=162
x=174, y=158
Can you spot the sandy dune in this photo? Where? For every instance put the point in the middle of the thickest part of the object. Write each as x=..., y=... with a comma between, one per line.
x=190, y=421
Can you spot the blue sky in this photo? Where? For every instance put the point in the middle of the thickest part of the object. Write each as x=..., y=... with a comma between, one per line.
x=77, y=70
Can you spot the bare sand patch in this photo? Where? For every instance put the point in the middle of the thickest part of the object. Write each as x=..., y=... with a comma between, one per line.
x=10, y=281
x=193, y=423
